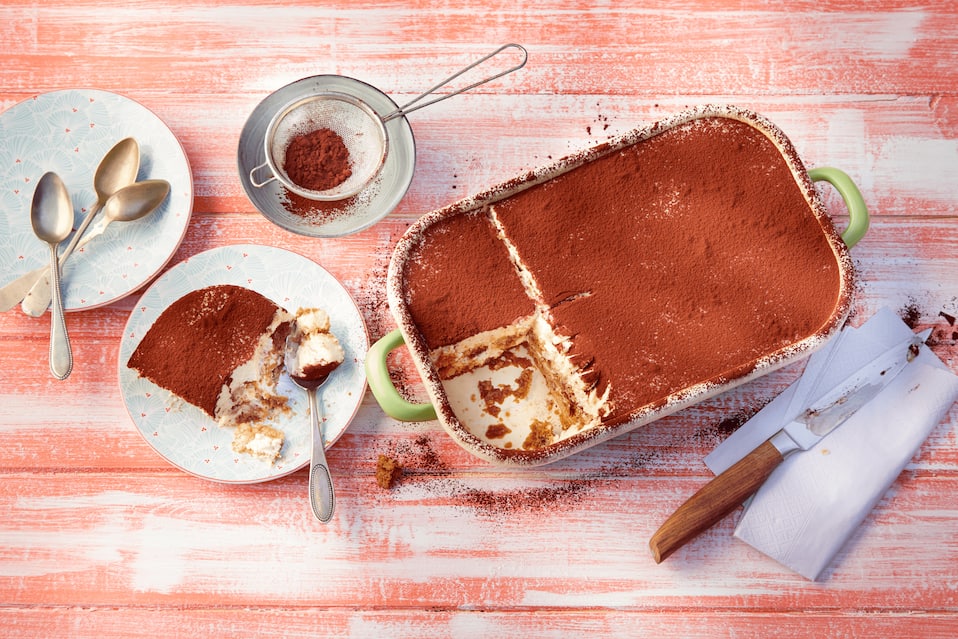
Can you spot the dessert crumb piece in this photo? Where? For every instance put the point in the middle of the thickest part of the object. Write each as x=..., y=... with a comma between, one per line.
x=497, y=431
x=258, y=440
x=540, y=435
x=388, y=471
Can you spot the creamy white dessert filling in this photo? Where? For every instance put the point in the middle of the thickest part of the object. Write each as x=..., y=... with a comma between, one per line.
x=525, y=275
x=571, y=403
x=477, y=350
x=312, y=320
x=552, y=353
x=260, y=441
x=575, y=400
x=315, y=347
x=251, y=396
x=509, y=405
x=253, y=383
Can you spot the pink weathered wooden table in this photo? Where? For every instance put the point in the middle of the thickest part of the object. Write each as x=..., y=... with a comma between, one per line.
x=101, y=537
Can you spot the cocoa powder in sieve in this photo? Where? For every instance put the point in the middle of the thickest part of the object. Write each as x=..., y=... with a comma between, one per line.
x=317, y=160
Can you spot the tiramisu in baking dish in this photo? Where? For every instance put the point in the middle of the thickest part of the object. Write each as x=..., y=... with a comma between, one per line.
x=619, y=285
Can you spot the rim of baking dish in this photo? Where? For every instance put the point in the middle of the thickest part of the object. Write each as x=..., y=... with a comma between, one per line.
x=671, y=403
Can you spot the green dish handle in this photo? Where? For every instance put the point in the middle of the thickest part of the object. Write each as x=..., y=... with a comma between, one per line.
x=381, y=384
x=857, y=211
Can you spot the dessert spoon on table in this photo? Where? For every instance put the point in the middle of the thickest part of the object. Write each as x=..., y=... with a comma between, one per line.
x=322, y=497
x=130, y=203
x=51, y=215
x=117, y=169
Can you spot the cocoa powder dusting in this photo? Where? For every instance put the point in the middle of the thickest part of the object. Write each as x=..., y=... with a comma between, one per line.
x=374, y=306
x=910, y=314
x=316, y=211
x=951, y=322
x=421, y=459
x=508, y=502
x=699, y=255
x=196, y=343
x=317, y=160
x=428, y=458
x=718, y=431
x=460, y=281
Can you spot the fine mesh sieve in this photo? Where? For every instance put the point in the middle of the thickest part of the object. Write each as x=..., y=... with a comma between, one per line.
x=361, y=128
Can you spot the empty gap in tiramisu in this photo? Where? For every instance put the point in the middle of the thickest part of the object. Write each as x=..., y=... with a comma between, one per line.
x=525, y=276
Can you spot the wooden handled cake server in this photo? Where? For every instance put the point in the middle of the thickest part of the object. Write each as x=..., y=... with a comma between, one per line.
x=731, y=488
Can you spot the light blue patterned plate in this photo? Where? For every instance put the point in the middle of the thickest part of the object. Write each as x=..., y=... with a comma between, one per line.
x=69, y=132
x=187, y=437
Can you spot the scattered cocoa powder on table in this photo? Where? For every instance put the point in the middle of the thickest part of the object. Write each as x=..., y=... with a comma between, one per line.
x=911, y=314
x=316, y=211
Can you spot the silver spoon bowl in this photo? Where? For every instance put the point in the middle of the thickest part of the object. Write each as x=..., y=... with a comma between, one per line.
x=117, y=169
x=126, y=205
x=51, y=215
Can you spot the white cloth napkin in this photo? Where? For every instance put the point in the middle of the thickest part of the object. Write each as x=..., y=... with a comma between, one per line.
x=814, y=501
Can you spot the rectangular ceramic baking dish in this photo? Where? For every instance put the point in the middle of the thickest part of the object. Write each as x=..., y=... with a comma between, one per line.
x=454, y=404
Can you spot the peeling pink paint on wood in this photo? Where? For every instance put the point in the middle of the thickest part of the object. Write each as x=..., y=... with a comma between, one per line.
x=102, y=538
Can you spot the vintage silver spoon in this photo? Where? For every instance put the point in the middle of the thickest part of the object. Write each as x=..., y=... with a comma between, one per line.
x=51, y=215
x=322, y=498
x=129, y=203
x=117, y=169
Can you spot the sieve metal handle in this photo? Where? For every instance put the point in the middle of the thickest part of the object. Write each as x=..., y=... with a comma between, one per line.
x=253, y=170
x=409, y=108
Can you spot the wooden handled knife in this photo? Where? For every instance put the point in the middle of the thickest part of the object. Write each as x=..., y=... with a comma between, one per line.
x=731, y=488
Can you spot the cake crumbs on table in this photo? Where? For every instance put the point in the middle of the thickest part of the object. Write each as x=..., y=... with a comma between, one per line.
x=388, y=471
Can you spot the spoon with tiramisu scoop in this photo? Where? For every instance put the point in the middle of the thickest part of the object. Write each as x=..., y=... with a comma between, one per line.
x=311, y=356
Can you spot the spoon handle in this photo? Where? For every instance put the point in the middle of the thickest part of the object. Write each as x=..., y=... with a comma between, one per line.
x=75, y=240
x=61, y=354
x=37, y=300
x=14, y=292
x=322, y=499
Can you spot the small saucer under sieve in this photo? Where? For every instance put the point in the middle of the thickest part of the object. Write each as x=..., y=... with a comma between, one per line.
x=361, y=129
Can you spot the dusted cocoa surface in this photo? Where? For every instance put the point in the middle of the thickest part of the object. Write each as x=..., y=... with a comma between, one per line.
x=681, y=260
x=196, y=343
x=460, y=281
x=677, y=260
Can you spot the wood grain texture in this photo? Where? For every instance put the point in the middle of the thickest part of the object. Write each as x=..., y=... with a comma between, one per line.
x=714, y=501
x=103, y=538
